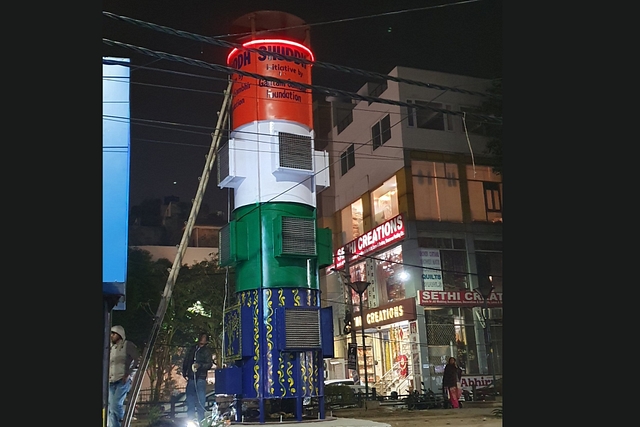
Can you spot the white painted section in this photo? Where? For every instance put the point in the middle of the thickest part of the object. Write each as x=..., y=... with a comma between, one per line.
x=256, y=161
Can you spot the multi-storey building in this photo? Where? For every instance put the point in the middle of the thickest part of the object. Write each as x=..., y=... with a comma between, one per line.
x=416, y=211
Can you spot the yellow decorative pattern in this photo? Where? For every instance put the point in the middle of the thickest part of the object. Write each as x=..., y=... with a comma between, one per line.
x=269, y=328
x=315, y=299
x=281, y=297
x=283, y=390
x=303, y=369
x=232, y=319
x=292, y=389
x=296, y=298
x=256, y=345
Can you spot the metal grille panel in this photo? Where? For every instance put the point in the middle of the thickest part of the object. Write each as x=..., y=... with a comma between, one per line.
x=223, y=162
x=295, y=151
x=224, y=244
x=440, y=334
x=302, y=328
x=298, y=236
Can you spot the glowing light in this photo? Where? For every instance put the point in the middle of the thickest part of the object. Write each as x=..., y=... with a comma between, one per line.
x=278, y=41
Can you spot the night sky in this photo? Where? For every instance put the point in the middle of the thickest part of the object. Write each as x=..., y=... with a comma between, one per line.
x=173, y=115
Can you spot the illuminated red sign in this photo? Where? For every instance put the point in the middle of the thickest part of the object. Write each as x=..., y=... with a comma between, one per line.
x=262, y=99
x=457, y=299
x=381, y=236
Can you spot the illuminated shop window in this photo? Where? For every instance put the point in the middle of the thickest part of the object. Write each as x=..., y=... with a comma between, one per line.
x=453, y=259
x=390, y=275
x=436, y=189
x=352, y=223
x=385, y=201
x=357, y=272
x=485, y=193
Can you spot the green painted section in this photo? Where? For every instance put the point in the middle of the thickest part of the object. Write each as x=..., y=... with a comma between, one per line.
x=262, y=269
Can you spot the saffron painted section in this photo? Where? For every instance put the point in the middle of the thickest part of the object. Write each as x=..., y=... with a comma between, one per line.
x=260, y=99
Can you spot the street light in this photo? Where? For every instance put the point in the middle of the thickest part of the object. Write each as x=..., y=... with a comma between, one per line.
x=485, y=291
x=360, y=287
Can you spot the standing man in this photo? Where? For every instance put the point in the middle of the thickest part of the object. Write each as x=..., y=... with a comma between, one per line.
x=123, y=364
x=194, y=369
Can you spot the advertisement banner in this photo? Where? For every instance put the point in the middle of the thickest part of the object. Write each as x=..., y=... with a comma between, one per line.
x=467, y=382
x=351, y=356
x=457, y=299
x=383, y=235
x=432, y=273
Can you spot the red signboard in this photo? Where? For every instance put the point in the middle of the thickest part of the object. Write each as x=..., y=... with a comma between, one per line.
x=261, y=99
x=379, y=237
x=457, y=299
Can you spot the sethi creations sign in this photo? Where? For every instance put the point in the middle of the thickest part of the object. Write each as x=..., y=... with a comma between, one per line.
x=457, y=299
x=383, y=235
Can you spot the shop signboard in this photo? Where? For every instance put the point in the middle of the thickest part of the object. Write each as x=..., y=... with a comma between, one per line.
x=383, y=235
x=387, y=314
x=432, y=271
x=465, y=298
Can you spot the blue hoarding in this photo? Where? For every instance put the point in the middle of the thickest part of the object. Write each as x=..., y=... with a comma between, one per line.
x=115, y=176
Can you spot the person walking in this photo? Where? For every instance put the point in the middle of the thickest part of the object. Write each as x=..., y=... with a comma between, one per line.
x=123, y=365
x=451, y=381
x=197, y=362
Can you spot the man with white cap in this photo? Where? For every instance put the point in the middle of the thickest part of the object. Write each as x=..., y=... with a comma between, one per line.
x=123, y=364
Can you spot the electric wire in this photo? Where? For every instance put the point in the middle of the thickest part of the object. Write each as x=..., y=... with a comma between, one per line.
x=291, y=83
x=369, y=256
x=356, y=71
x=150, y=123
x=357, y=18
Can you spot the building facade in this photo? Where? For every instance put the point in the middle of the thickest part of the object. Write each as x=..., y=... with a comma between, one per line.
x=416, y=211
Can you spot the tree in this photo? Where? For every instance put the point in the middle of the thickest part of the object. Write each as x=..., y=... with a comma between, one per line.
x=196, y=306
x=493, y=106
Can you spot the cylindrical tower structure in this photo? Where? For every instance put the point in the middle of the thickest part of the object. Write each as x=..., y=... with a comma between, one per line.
x=277, y=335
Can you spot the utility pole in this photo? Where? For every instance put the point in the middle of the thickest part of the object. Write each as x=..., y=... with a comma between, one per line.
x=177, y=262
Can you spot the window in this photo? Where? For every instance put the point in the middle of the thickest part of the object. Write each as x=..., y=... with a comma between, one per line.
x=436, y=191
x=385, y=201
x=376, y=90
x=381, y=132
x=352, y=222
x=428, y=118
x=347, y=159
x=492, y=196
x=390, y=275
x=453, y=259
x=491, y=263
x=346, y=119
x=485, y=194
x=473, y=124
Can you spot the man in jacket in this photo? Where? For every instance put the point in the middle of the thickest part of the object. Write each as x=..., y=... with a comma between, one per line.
x=123, y=364
x=194, y=369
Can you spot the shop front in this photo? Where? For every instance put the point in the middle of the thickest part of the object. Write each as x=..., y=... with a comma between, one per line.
x=388, y=346
x=456, y=325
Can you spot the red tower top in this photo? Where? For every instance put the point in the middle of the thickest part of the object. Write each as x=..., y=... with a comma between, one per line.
x=261, y=99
